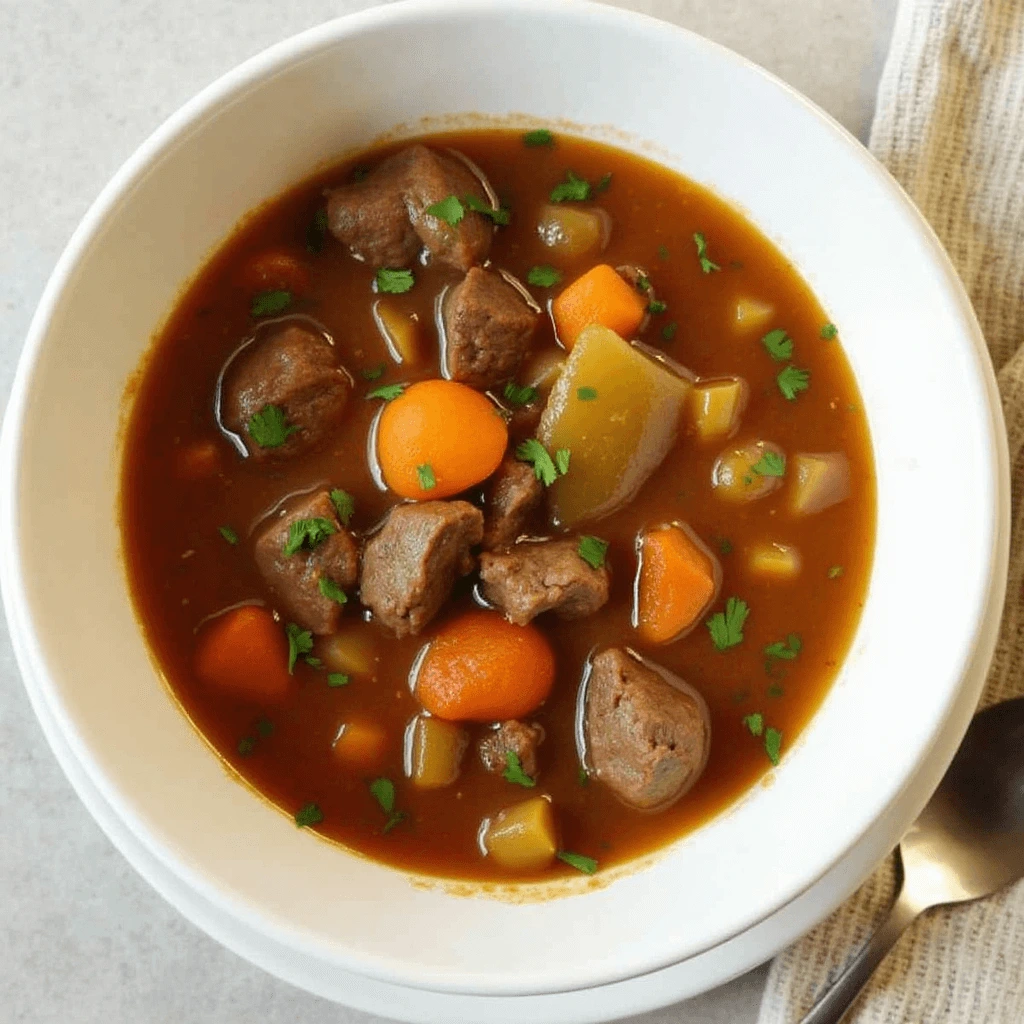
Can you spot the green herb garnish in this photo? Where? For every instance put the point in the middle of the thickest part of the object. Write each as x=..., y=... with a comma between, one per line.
x=583, y=776
x=335, y=679
x=656, y=307
x=394, y=282
x=706, y=264
x=268, y=303
x=574, y=189
x=576, y=860
x=773, y=744
x=770, y=464
x=300, y=641
x=389, y=392
x=373, y=372
x=514, y=771
x=265, y=727
x=754, y=723
x=778, y=344
x=592, y=550
x=835, y=572
x=450, y=210
x=586, y=394
x=792, y=381
x=663, y=252
x=502, y=215
x=544, y=468
x=269, y=428
x=603, y=182
x=828, y=332
x=519, y=394
x=308, y=815
x=538, y=137
x=782, y=650
x=726, y=627
x=383, y=791
x=246, y=745
x=543, y=276
x=426, y=476
x=668, y=332
x=307, y=533
x=725, y=546
x=228, y=534
x=344, y=505
x=331, y=591
x=562, y=457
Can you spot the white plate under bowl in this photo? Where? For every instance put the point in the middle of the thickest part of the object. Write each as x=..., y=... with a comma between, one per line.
x=914, y=345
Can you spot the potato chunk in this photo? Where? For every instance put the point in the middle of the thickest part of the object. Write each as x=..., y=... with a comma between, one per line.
x=350, y=651
x=820, y=480
x=774, y=561
x=752, y=314
x=574, y=231
x=361, y=744
x=522, y=837
x=717, y=406
x=400, y=331
x=433, y=752
x=745, y=474
x=617, y=412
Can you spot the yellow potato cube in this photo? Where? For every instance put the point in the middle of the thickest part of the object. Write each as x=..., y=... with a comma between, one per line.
x=400, y=331
x=522, y=837
x=775, y=561
x=752, y=314
x=717, y=406
x=433, y=751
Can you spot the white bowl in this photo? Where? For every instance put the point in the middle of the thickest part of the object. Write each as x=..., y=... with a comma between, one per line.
x=914, y=345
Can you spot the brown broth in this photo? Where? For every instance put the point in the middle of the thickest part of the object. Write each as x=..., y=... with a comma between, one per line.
x=182, y=572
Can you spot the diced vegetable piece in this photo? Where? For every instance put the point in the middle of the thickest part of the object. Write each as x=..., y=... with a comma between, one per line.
x=600, y=296
x=352, y=651
x=542, y=369
x=735, y=478
x=752, y=314
x=820, y=480
x=717, y=407
x=678, y=579
x=616, y=439
x=522, y=837
x=775, y=561
x=275, y=269
x=434, y=750
x=400, y=331
x=198, y=460
x=245, y=651
x=574, y=231
x=447, y=427
x=361, y=743
x=482, y=668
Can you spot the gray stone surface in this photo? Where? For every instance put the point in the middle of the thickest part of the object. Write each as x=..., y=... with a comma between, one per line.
x=82, y=82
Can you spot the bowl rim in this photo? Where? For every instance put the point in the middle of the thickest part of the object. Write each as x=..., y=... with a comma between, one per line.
x=224, y=91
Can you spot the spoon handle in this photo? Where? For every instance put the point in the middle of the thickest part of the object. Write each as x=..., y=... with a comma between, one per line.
x=833, y=1004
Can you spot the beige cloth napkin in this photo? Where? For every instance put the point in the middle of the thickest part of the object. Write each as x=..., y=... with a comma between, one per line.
x=950, y=127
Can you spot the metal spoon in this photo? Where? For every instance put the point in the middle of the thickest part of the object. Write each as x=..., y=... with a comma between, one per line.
x=967, y=843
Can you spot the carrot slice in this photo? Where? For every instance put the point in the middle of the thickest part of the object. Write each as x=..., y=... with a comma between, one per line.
x=600, y=296
x=245, y=651
x=677, y=580
x=361, y=744
x=482, y=668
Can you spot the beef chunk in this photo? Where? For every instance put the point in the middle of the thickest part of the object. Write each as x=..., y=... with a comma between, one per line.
x=515, y=737
x=487, y=328
x=295, y=579
x=297, y=371
x=411, y=564
x=539, y=576
x=513, y=493
x=383, y=220
x=648, y=733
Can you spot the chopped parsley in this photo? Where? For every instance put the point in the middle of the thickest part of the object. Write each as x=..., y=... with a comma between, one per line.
x=792, y=381
x=335, y=679
x=313, y=662
x=501, y=215
x=394, y=282
x=754, y=723
x=269, y=303
x=775, y=690
x=316, y=233
x=586, y=394
x=828, y=332
x=782, y=650
x=519, y=394
x=770, y=464
x=246, y=745
x=726, y=627
x=383, y=791
x=514, y=771
x=300, y=641
x=778, y=344
x=643, y=283
x=656, y=307
x=269, y=428
x=574, y=189
x=707, y=266
x=668, y=332
x=544, y=468
x=450, y=210
x=592, y=550
x=663, y=252
x=332, y=592
x=308, y=815
x=389, y=392
x=543, y=276
x=603, y=182
x=576, y=860
x=307, y=533
x=228, y=534
x=426, y=476
x=265, y=727
x=583, y=776
x=835, y=572
x=725, y=546
x=344, y=505
x=373, y=372
x=773, y=744
x=538, y=137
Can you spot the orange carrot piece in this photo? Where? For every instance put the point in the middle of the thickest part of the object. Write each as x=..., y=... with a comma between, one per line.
x=361, y=744
x=482, y=668
x=245, y=651
x=273, y=270
x=600, y=296
x=438, y=438
x=678, y=579
x=198, y=460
